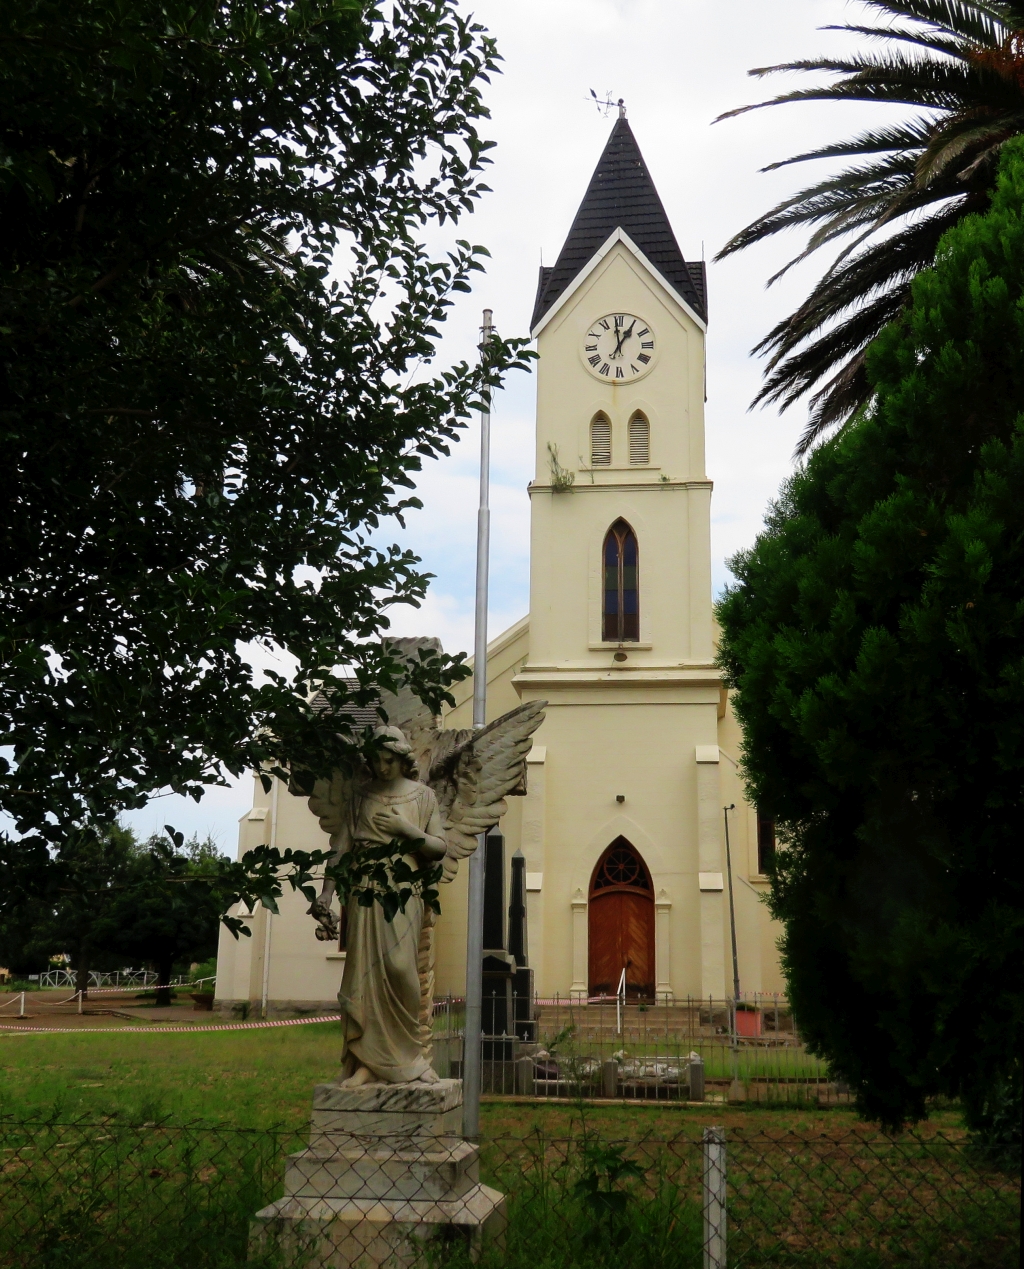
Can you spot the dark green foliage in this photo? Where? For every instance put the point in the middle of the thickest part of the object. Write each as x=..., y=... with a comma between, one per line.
x=54, y=905
x=601, y=1190
x=961, y=64
x=381, y=874
x=876, y=641
x=168, y=913
x=106, y=900
x=212, y=301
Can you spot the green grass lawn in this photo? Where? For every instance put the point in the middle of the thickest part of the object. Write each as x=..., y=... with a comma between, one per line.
x=128, y=1187
x=259, y=1078
x=246, y=1078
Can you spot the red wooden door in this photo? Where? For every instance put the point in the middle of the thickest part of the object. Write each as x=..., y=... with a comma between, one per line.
x=621, y=937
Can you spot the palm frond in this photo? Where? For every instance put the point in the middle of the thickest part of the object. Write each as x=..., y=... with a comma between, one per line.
x=873, y=189
x=897, y=137
x=961, y=62
x=837, y=403
x=899, y=80
x=985, y=23
x=880, y=266
x=937, y=42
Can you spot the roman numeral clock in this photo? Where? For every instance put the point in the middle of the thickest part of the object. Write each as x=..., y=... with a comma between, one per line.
x=618, y=347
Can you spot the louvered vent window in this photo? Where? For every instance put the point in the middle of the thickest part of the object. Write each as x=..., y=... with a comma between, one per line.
x=600, y=442
x=639, y=440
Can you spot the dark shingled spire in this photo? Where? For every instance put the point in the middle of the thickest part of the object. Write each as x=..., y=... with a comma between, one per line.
x=621, y=194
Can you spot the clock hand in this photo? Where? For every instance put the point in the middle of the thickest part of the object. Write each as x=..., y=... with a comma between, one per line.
x=621, y=338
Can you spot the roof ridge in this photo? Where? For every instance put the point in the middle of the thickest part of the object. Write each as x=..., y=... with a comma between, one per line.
x=621, y=195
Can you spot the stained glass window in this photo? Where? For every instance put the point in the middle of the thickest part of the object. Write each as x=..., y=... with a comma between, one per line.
x=765, y=842
x=621, y=585
x=621, y=866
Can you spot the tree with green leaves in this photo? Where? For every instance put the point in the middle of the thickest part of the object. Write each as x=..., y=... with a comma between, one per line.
x=61, y=905
x=875, y=642
x=106, y=899
x=960, y=63
x=217, y=319
x=169, y=910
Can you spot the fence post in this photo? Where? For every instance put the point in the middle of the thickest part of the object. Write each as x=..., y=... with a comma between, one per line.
x=524, y=1077
x=21, y=1012
x=696, y=1079
x=714, y=1198
x=610, y=1078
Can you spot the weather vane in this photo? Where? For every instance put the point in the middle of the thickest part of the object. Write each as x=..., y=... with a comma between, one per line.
x=604, y=104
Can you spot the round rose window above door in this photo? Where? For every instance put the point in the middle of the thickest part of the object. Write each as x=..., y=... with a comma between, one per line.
x=621, y=923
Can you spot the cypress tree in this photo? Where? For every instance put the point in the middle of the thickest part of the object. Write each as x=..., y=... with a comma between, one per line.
x=875, y=641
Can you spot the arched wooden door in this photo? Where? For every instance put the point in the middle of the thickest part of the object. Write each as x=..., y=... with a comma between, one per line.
x=621, y=924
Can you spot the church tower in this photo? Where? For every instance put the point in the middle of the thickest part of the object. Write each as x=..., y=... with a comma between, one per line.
x=620, y=322
x=620, y=636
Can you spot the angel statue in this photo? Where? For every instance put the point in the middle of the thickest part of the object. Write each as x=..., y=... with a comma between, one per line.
x=434, y=791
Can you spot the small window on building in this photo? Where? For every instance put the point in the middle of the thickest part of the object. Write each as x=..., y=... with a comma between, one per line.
x=765, y=843
x=621, y=622
x=639, y=440
x=600, y=441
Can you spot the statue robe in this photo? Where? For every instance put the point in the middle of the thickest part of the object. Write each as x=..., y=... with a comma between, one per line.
x=380, y=987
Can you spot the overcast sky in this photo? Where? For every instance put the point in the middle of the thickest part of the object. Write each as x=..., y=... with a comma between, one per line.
x=677, y=64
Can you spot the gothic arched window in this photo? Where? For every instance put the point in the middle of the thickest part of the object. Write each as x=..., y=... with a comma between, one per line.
x=639, y=440
x=621, y=603
x=619, y=866
x=600, y=441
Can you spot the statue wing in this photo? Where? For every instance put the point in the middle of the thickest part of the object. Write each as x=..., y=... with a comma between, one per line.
x=472, y=772
x=331, y=801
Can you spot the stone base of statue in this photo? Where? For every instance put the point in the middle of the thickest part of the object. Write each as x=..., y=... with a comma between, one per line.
x=386, y=1173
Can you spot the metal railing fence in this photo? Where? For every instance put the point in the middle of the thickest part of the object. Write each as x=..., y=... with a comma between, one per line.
x=153, y=1196
x=121, y=978
x=685, y=1049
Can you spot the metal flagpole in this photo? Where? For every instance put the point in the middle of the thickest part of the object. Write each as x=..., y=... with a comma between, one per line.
x=475, y=930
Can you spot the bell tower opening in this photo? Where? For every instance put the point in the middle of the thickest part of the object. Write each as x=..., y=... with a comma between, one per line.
x=621, y=924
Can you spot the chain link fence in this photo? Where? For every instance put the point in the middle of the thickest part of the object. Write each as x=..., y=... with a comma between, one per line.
x=115, y=1196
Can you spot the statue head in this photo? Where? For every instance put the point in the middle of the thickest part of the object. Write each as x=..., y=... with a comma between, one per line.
x=394, y=756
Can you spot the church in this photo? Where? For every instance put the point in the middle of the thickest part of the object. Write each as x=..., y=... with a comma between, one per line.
x=643, y=862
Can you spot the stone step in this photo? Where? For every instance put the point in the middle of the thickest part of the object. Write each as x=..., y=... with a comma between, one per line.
x=405, y=1131
x=405, y=1115
x=472, y=1207
x=377, y=1171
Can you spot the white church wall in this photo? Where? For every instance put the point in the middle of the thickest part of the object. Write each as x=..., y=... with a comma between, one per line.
x=303, y=974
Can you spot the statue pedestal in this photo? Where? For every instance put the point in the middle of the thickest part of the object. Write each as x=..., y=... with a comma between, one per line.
x=386, y=1171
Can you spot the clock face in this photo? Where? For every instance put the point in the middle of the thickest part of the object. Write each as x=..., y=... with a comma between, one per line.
x=618, y=347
